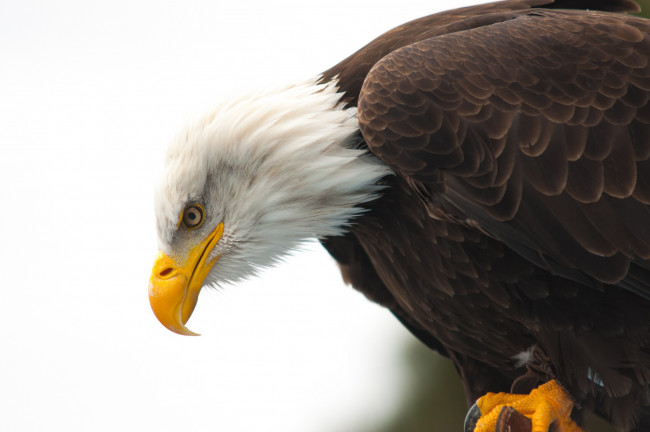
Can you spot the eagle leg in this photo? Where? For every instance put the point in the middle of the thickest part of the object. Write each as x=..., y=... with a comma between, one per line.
x=548, y=404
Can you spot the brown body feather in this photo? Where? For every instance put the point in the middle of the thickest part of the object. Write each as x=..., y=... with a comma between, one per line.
x=519, y=215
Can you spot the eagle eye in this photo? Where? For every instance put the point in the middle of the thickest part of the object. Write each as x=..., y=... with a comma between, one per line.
x=193, y=216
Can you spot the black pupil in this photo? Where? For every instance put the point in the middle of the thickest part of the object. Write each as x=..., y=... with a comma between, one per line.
x=192, y=216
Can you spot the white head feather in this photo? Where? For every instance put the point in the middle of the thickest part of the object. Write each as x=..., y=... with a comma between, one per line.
x=277, y=168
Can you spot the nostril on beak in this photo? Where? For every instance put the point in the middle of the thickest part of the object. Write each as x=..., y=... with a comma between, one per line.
x=165, y=272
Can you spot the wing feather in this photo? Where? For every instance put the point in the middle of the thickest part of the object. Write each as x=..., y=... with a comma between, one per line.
x=540, y=124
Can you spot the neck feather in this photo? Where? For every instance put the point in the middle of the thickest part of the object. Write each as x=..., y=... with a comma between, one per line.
x=281, y=167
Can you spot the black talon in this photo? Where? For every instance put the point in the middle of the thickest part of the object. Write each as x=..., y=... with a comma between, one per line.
x=472, y=418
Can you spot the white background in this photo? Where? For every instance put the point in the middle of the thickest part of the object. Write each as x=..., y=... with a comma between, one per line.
x=90, y=93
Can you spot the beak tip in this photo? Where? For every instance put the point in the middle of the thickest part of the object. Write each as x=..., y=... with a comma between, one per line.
x=184, y=331
x=166, y=301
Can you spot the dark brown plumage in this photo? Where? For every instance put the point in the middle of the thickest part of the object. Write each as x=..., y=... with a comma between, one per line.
x=519, y=217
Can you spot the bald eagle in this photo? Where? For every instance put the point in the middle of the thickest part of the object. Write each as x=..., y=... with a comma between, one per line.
x=483, y=173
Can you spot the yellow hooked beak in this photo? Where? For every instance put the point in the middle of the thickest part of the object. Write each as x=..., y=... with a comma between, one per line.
x=174, y=289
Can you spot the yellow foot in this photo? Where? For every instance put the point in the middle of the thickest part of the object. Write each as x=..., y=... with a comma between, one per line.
x=547, y=404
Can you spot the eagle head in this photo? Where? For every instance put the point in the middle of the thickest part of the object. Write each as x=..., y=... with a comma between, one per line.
x=250, y=181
